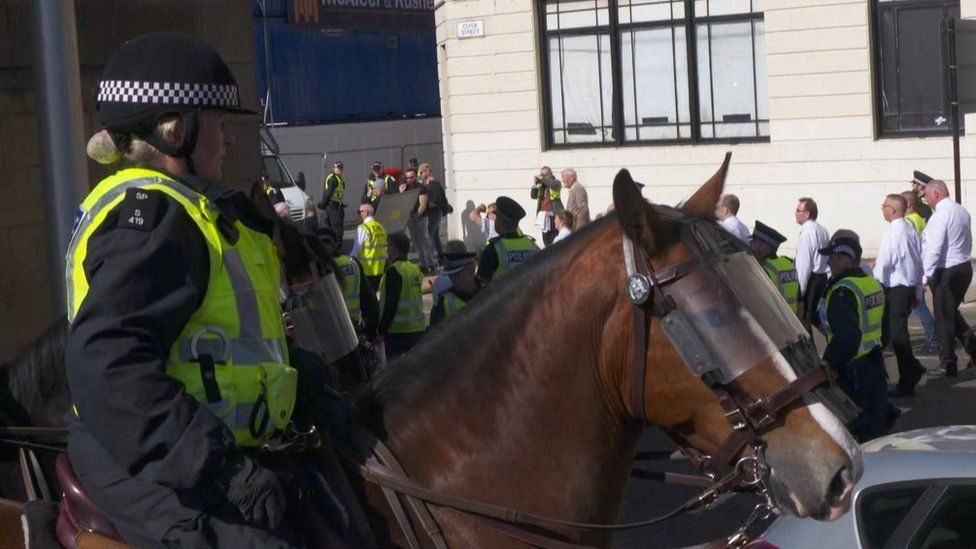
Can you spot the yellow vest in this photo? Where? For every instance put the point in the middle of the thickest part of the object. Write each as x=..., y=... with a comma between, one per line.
x=783, y=274
x=340, y=187
x=373, y=255
x=235, y=340
x=350, y=287
x=870, y=309
x=409, y=317
x=452, y=304
x=916, y=220
x=511, y=252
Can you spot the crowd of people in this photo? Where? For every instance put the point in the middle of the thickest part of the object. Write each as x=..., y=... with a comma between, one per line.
x=862, y=309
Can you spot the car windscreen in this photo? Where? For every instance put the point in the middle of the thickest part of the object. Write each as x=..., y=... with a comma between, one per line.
x=276, y=171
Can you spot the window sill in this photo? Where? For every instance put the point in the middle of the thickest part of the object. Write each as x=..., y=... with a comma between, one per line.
x=658, y=143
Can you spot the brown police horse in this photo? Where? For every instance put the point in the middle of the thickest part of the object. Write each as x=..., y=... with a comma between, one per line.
x=526, y=403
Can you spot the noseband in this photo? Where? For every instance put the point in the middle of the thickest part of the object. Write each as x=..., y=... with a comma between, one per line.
x=749, y=418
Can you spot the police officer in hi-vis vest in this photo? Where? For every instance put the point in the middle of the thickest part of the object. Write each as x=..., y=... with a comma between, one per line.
x=510, y=248
x=402, y=321
x=855, y=305
x=765, y=243
x=457, y=284
x=177, y=359
x=333, y=194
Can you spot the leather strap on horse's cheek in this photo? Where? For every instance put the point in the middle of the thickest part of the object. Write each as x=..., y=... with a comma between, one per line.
x=771, y=405
x=640, y=362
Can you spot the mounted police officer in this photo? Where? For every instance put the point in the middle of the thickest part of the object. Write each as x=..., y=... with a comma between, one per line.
x=177, y=359
x=510, y=248
x=333, y=193
x=765, y=243
x=854, y=311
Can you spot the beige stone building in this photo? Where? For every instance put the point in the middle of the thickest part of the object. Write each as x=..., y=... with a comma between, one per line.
x=839, y=100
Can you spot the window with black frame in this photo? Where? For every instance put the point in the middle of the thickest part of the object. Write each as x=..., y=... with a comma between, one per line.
x=645, y=71
x=911, y=67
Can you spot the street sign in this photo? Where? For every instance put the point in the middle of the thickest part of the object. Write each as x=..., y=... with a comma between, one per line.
x=393, y=211
x=471, y=29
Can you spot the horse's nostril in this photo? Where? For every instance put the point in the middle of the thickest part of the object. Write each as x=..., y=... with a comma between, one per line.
x=839, y=486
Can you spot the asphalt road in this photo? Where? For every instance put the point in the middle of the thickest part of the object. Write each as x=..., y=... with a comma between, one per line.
x=938, y=401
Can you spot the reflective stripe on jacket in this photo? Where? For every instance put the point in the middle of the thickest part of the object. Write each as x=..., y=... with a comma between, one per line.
x=409, y=317
x=373, y=255
x=231, y=356
x=870, y=300
x=340, y=187
x=783, y=274
x=511, y=252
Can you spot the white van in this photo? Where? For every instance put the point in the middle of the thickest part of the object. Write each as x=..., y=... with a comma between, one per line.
x=299, y=204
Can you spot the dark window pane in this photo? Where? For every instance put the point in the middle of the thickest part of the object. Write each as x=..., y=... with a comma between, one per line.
x=953, y=522
x=879, y=513
x=912, y=78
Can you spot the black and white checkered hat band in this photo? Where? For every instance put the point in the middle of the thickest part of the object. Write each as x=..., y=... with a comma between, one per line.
x=168, y=93
x=844, y=249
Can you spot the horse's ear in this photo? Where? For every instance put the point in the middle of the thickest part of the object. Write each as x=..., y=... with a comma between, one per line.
x=703, y=202
x=637, y=218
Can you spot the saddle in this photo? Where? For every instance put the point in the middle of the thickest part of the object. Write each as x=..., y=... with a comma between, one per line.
x=80, y=524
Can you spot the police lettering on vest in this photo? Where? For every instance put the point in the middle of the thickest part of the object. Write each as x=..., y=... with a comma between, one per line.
x=783, y=274
x=511, y=252
x=231, y=355
x=870, y=309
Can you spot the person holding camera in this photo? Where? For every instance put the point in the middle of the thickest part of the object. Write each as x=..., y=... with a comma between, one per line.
x=546, y=192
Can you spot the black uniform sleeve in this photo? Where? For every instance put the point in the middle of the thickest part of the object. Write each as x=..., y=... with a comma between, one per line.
x=437, y=312
x=845, y=327
x=391, y=287
x=487, y=263
x=368, y=304
x=145, y=283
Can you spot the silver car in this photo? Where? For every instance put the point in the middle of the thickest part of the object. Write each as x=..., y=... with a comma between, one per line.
x=918, y=490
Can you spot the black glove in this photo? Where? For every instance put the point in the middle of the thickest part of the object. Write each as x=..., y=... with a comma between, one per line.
x=322, y=204
x=254, y=489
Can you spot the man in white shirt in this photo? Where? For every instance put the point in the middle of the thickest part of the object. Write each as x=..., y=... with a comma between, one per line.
x=947, y=246
x=726, y=212
x=899, y=269
x=811, y=267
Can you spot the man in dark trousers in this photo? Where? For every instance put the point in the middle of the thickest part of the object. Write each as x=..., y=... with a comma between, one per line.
x=946, y=259
x=333, y=194
x=402, y=321
x=855, y=312
x=510, y=248
x=899, y=269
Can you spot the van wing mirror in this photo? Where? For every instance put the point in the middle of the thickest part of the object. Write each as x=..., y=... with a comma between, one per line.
x=301, y=180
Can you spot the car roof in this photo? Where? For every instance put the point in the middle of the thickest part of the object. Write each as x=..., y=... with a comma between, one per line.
x=947, y=438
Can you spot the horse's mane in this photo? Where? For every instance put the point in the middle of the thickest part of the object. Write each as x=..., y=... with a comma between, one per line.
x=35, y=375
x=439, y=352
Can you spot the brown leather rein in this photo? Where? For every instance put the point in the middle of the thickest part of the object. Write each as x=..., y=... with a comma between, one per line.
x=749, y=419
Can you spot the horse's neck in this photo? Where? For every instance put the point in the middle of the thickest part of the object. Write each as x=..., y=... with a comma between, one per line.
x=527, y=423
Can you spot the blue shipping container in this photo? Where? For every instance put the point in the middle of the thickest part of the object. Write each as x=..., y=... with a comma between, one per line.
x=321, y=75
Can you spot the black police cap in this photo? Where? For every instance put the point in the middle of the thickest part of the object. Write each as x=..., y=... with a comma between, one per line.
x=768, y=234
x=509, y=208
x=159, y=73
x=337, y=163
x=843, y=245
x=920, y=178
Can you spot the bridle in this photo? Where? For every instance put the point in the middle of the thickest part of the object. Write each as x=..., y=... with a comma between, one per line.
x=750, y=419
